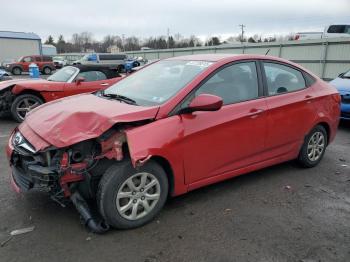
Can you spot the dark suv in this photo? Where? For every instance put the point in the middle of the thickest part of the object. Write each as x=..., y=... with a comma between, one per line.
x=45, y=64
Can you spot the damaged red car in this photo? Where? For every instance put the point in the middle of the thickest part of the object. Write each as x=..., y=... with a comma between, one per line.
x=18, y=97
x=174, y=126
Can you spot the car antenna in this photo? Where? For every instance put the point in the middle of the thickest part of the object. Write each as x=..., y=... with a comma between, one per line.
x=268, y=50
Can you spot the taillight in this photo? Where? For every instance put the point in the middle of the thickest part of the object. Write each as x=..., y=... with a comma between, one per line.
x=337, y=98
x=296, y=37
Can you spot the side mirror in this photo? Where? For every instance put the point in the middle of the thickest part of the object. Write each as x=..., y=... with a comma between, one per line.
x=79, y=80
x=205, y=102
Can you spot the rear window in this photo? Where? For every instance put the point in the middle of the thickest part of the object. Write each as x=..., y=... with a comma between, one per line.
x=339, y=29
x=112, y=57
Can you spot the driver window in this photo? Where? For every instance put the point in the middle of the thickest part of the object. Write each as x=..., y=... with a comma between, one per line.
x=92, y=76
x=234, y=83
x=27, y=59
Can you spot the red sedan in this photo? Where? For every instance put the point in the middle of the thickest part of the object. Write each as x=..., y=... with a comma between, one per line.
x=174, y=126
x=18, y=97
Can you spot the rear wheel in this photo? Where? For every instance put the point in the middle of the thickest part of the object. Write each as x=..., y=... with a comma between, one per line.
x=23, y=104
x=314, y=147
x=17, y=71
x=47, y=70
x=129, y=198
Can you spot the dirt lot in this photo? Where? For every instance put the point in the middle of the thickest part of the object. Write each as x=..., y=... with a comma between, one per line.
x=282, y=213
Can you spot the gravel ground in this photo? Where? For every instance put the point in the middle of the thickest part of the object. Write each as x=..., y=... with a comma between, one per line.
x=281, y=213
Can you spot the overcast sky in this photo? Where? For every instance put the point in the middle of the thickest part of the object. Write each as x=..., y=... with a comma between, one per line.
x=153, y=17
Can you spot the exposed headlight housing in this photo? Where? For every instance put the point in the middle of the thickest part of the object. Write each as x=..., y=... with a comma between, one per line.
x=19, y=141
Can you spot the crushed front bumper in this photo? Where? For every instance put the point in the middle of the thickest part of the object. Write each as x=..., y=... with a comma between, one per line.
x=26, y=172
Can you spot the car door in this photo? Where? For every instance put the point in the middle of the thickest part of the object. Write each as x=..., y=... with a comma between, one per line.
x=26, y=61
x=233, y=137
x=93, y=81
x=290, y=108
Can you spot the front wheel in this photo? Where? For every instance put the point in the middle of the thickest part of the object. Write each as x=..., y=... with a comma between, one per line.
x=23, y=104
x=314, y=147
x=129, y=197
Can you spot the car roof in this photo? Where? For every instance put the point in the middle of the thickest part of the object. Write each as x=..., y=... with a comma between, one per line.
x=220, y=57
x=110, y=72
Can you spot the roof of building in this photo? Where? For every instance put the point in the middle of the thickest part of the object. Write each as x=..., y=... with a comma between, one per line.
x=19, y=35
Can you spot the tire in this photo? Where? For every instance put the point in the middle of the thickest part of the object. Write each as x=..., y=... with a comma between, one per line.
x=17, y=71
x=121, y=68
x=314, y=147
x=136, y=64
x=112, y=196
x=47, y=70
x=27, y=101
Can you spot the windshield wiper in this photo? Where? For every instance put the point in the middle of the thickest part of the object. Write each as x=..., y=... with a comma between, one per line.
x=120, y=98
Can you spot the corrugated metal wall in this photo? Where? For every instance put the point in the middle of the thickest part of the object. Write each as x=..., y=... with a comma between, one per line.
x=327, y=58
x=15, y=48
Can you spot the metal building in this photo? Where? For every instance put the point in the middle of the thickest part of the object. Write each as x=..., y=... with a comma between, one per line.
x=13, y=45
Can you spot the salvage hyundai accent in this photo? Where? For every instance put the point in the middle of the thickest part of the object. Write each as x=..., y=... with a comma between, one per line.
x=174, y=126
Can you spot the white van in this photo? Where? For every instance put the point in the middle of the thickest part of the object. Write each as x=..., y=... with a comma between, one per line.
x=103, y=59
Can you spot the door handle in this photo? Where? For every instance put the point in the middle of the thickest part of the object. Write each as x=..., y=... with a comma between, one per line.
x=104, y=84
x=254, y=112
x=308, y=98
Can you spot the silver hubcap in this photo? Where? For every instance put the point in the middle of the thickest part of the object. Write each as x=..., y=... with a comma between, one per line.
x=137, y=196
x=25, y=105
x=315, y=146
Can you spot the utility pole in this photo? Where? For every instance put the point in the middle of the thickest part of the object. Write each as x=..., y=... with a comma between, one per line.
x=168, y=33
x=242, y=34
x=123, y=42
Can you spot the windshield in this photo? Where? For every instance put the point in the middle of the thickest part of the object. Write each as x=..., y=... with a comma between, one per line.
x=346, y=74
x=63, y=75
x=20, y=59
x=158, y=82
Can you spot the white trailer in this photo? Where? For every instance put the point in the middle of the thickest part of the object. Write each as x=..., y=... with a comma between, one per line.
x=14, y=45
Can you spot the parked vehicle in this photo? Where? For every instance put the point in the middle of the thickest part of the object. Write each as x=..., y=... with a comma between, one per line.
x=331, y=31
x=21, y=96
x=171, y=127
x=103, y=58
x=45, y=64
x=4, y=75
x=59, y=61
x=342, y=83
x=6, y=62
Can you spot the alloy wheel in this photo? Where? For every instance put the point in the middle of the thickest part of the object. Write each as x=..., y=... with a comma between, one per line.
x=26, y=105
x=315, y=146
x=138, y=196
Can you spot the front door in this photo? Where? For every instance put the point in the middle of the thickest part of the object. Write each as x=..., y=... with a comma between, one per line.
x=93, y=81
x=216, y=143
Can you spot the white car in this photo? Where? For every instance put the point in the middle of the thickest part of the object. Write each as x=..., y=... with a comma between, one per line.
x=59, y=61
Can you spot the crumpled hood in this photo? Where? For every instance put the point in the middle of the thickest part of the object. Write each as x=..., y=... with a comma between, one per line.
x=73, y=119
x=32, y=82
x=342, y=84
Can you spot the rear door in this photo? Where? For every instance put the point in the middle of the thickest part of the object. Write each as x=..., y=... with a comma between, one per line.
x=290, y=108
x=216, y=143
